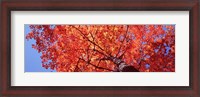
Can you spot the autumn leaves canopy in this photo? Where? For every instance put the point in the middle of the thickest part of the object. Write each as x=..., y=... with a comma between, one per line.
x=105, y=48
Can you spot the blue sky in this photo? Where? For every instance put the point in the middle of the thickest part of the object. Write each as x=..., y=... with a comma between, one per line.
x=32, y=57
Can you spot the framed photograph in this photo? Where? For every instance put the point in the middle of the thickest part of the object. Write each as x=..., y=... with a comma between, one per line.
x=138, y=48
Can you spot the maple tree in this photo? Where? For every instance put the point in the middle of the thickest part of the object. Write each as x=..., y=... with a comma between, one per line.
x=105, y=48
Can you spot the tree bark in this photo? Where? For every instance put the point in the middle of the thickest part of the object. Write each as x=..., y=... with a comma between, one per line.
x=122, y=66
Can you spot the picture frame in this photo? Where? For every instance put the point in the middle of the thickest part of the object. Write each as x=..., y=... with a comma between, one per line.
x=193, y=90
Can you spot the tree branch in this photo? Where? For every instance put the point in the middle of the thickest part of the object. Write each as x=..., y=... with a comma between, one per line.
x=125, y=36
x=89, y=39
x=76, y=69
x=95, y=65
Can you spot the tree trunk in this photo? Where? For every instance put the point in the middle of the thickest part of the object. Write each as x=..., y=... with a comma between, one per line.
x=122, y=66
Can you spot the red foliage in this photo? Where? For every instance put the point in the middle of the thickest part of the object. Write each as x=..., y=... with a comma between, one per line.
x=97, y=48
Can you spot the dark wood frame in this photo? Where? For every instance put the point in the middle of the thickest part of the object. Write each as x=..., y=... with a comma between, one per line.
x=193, y=90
